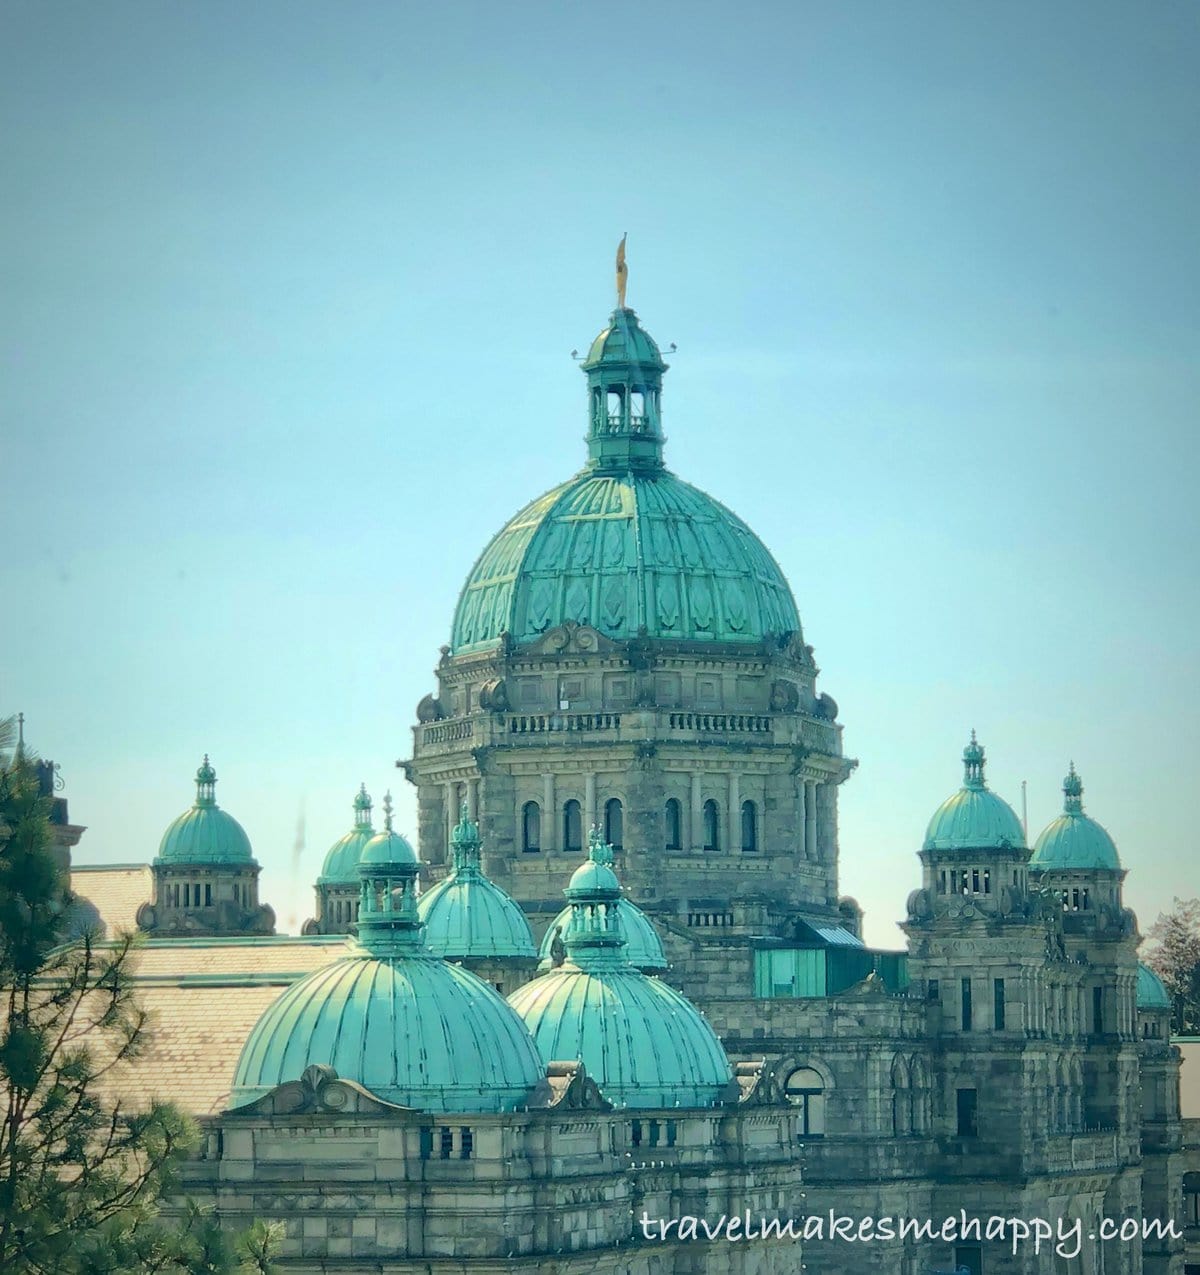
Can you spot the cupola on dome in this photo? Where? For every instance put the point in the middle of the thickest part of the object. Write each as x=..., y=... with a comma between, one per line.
x=205, y=834
x=466, y=915
x=1074, y=841
x=643, y=1043
x=643, y=947
x=341, y=863
x=625, y=547
x=388, y=846
x=394, y=1017
x=974, y=818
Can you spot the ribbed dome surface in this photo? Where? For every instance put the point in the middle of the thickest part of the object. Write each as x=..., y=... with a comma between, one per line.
x=1151, y=994
x=625, y=553
x=1074, y=841
x=341, y=863
x=643, y=947
x=412, y=1029
x=640, y=1040
x=205, y=834
x=472, y=917
x=973, y=818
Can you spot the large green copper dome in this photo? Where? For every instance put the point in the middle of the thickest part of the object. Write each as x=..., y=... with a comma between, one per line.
x=205, y=834
x=1074, y=841
x=643, y=1043
x=466, y=915
x=394, y=1017
x=625, y=546
x=341, y=863
x=974, y=818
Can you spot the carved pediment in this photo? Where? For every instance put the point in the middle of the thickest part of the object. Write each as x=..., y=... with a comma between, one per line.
x=320, y=1090
x=572, y=639
x=568, y=1086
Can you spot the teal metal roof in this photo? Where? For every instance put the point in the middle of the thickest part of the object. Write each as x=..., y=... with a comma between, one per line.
x=410, y=1028
x=625, y=546
x=205, y=835
x=1074, y=841
x=341, y=863
x=643, y=1043
x=643, y=947
x=974, y=818
x=394, y=1017
x=1151, y=994
x=466, y=915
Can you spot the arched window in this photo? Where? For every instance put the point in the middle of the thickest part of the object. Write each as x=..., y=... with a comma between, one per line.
x=572, y=826
x=805, y=1089
x=531, y=827
x=614, y=823
x=712, y=826
x=749, y=827
x=674, y=825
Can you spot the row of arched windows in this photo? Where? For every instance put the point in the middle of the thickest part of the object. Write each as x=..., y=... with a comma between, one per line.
x=614, y=825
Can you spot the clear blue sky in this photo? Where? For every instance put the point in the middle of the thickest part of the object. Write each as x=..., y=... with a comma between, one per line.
x=289, y=294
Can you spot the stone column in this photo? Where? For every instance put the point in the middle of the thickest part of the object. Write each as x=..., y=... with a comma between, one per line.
x=696, y=831
x=451, y=810
x=810, y=819
x=589, y=806
x=549, y=815
x=473, y=798
x=735, y=812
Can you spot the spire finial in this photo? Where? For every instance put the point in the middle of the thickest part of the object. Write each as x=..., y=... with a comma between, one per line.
x=21, y=734
x=387, y=810
x=599, y=851
x=1072, y=792
x=622, y=272
x=465, y=843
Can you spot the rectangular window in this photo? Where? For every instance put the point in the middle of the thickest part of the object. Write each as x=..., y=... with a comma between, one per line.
x=446, y=1145
x=468, y=1143
x=635, y=1133
x=673, y=1129
x=968, y=1258
x=426, y=1143
x=654, y=1131
x=1098, y=1010
x=968, y=1126
x=998, y=1002
x=966, y=1004
x=207, y=895
x=935, y=990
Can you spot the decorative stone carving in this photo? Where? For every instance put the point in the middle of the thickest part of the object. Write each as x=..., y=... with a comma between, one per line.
x=920, y=907
x=785, y=696
x=430, y=710
x=318, y=1089
x=572, y=638
x=827, y=707
x=493, y=696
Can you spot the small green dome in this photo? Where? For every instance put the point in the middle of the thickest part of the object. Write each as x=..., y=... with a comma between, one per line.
x=1151, y=993
x=466, y=915
x=388, y=846
x=974, y=818
x=1074, y=841
x=625, y=546
x=205, y=834
x=411, y=1028
x=341, y=863
x=643, y=1043
x=622, y=343
x=394, y=1017
x=643, y=947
